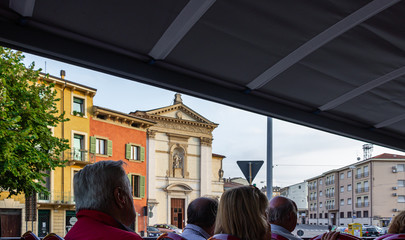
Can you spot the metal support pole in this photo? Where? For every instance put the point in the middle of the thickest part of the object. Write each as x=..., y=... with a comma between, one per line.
x=269, y=158
x=250, y=173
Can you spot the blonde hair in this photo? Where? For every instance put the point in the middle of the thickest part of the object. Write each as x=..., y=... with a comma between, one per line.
x=397, y=225
x=242, y=213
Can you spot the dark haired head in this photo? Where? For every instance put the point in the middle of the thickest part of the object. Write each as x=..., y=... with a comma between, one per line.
x=202, y=212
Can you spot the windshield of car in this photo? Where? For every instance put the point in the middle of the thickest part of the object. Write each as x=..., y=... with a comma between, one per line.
x=173, y=227
x=153, y=229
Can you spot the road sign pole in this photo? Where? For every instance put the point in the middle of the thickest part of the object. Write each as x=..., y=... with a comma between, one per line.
x=269, y=168
x=250, y=173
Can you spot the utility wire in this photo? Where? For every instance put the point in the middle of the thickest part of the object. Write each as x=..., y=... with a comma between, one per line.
x=306, y=165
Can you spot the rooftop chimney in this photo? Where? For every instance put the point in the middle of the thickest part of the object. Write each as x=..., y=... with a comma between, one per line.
x=62, y=74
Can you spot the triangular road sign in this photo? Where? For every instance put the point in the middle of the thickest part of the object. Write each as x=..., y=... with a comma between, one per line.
x=250, y=169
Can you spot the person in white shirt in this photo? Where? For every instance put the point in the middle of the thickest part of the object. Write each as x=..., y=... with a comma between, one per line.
x=201, y=214
x=282, y=215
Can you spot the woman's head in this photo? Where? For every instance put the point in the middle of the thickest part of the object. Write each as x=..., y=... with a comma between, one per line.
x=242, y=213
x=398, y=224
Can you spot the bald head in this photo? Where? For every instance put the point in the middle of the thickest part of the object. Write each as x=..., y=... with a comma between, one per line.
x=283, y=212
x=202, y=212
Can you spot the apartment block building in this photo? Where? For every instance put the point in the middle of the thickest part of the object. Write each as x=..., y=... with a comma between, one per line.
x=55, y=211
x=118, y=136
x=298, y=193
x=370, y=192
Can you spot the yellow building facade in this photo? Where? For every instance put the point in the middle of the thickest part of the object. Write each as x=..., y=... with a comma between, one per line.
x=56, y=212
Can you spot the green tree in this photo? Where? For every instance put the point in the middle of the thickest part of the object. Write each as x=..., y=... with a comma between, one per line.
x=27, y=112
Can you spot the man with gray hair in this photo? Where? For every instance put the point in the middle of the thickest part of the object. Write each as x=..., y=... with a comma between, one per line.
x=104, y=203
x=282, y=215
x=201, y=214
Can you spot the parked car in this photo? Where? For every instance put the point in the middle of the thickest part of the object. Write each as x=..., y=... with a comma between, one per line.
x=153, y=232
x=168, y=228
x=370, y=231
x=341, y=229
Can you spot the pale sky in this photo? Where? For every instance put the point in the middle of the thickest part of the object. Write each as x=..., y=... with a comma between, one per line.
x=299, y=152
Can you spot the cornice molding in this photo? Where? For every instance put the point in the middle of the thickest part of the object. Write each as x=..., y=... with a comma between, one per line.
x=163, y=126
x=183, y=121
x=121, y=118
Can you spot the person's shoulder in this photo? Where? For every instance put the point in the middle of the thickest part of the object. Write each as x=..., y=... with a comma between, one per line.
x=128, y=235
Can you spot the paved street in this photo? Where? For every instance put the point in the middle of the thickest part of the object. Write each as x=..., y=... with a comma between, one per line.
x=310, y=230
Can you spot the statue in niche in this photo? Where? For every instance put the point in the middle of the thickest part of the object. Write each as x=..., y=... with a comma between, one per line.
x=177, y=161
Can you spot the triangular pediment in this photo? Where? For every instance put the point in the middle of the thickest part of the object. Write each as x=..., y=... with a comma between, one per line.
x=179, y=111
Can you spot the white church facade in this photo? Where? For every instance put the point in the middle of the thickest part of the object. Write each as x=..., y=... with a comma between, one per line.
x=181, y=165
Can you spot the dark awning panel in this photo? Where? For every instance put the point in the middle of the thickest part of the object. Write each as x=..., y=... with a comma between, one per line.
x=337, y=66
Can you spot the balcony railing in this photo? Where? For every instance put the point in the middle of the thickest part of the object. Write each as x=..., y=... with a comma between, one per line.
x=330, y=182
x=329, y=207
x=362, y=204
x=57, y=198
x=362, y=175
x=329, y=195
x=362, y=190
x=77, y=155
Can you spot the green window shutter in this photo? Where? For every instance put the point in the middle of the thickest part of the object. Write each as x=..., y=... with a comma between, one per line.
x=130, y=178
x=109, y=148
x=142, y=187
x=92, y=144
x=130, y=182
x=128, y=151
x=142, y=154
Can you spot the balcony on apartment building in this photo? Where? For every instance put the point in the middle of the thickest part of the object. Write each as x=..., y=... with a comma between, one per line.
x=330, y=207
x=312, y=198
x=55, y=197
x=362, y=175
x=330, y=195
x=362, y=190
x=329, y=182
x=311, y=187
x=362, y=204
x=79, y=156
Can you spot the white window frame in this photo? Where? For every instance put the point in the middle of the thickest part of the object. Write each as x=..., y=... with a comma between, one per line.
x=138, y=156
x=139, y=185
x=85, y=137
x=73, y=95
x=98, y=141
x=73, y=170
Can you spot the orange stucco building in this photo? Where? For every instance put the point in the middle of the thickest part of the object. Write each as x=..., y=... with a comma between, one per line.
x=118, y=136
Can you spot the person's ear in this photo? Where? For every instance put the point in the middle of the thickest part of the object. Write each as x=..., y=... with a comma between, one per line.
x=119, y=196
